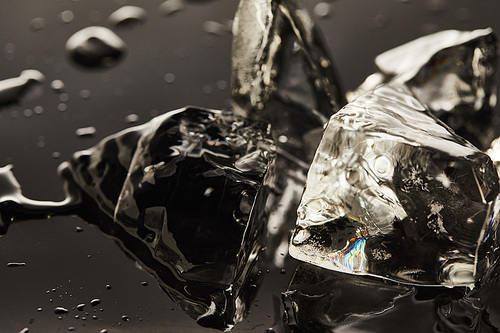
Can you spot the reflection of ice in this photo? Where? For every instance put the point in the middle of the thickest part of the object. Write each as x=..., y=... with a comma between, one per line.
x=452, y=73
x=393, y=193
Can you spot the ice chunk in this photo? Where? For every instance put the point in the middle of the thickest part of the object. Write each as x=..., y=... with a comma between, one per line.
x=452, y=72
x=282, y=73
x=394, y=193
x=185, y=195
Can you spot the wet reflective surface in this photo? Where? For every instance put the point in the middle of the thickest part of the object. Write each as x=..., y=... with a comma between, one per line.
x=64, y=274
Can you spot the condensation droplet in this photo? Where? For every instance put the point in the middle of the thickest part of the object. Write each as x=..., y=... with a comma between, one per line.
x=64, y=97
x=28, y=113
x=95, y=301
x=86, y=131
x=56, y=155
x=207, y=89
x=132, y=118
x=128, y=16
x=95, y=47
x=125, y=318
x=221, y=85
x=171, y=6
x=38, y=109
x=144, y=284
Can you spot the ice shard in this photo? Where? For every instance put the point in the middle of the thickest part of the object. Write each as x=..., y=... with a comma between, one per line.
x=282, y=73
x=185, y=195
x=393, y=192
x=453, y=73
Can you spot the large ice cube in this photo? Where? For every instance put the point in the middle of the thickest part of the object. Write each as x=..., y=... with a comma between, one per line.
x=453, y=73
x=394, y=193
x=185, y=195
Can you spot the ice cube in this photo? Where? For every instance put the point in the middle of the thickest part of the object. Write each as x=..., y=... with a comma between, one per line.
x=453, y=73
x=394, y=193
x=185, y=195
x=282, y=73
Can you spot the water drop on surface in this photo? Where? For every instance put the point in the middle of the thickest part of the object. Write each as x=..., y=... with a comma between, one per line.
x=80, y=307
x=108, y=287
x=37, y=23
x=13, y=89
x=171, y=6
x=66, y=16
x=95, y=301
x=169, y=77
x=144, y=284
x=84, y=94
x=60, y=310
x=215, y=28
x=16, y=264
x=38, y=109
x=322, y=9
x=62, y=107
x=128, y=16
x=95, y=47
x=86, y=131
x=132, y=118
x=39, y=309
x=57, y=85
x=125, y=318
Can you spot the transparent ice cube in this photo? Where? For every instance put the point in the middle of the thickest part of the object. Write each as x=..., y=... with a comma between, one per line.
x=451, y=72
x=394, y=193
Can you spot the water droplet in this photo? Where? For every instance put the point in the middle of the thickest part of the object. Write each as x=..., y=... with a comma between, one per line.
x=322, y=9
x=128, y=16
x=125, y=318
x=27, y=113
x=56, y=155
x=80, y=307
x=283, y=271
x=84, y=94
x=66, y=16
x=144, y=284
x=169, y=77
x=24, y=330
x=95, y=302
x=171, y=6
x=38, y=109
x=108, y=287
x=39, y=309
x=95, y=47
x=86, y=131
x=16, y=264
x=13, y=89
x=60, y=310
x=132, y=118
x=215, y=28
x=103, y=331
x=64, y=97
x=62, y=107
x=207, y=89
x=71, y=328
x=221, y=85
x=37, y=23
x=57, y=85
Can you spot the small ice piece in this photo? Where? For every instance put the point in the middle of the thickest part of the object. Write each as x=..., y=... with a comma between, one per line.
x=394, y=193
x=451, y=72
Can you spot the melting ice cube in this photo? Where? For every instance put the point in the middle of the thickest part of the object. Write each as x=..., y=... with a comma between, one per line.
x=394, y=193
x=184, y=194
x=451, y=72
